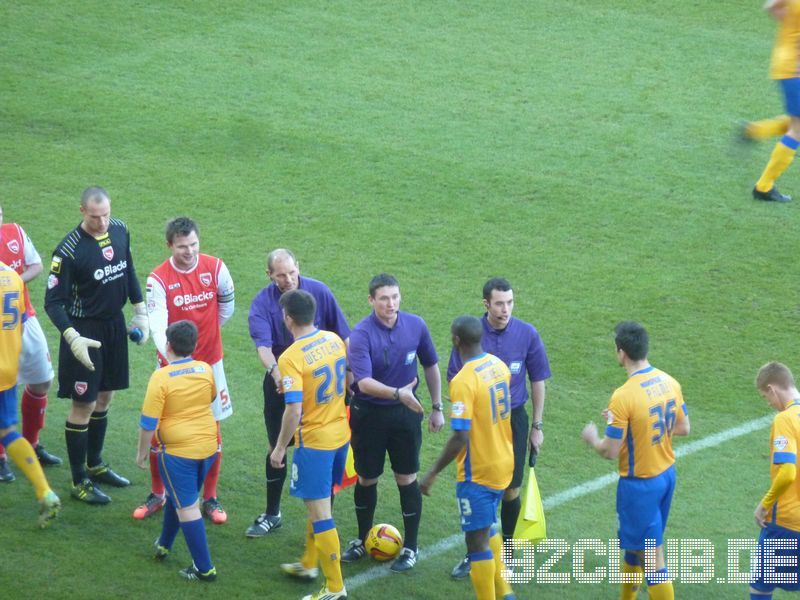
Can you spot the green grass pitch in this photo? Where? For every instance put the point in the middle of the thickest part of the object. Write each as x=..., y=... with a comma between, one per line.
x=583, y=149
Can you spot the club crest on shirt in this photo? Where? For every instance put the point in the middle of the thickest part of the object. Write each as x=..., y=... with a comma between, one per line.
x=13, y=245
x=52, y=281
x=515, y=367
x=780, y=443
x=205, y=279
x=288, y=382
x=411, y=356
x=108, y=252
x=458, y=409
x=81, y=387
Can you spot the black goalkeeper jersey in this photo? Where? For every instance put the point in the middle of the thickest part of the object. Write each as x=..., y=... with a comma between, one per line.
x=90, y=277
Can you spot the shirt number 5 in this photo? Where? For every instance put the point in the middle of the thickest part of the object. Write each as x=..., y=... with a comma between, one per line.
x=10, y=312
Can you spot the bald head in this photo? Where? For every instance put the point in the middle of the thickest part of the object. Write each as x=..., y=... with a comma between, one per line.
x=283, y=270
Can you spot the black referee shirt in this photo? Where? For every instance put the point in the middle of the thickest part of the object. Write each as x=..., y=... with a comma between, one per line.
x=91, y=278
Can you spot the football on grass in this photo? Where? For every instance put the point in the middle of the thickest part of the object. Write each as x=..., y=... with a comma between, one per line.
x=384, y=542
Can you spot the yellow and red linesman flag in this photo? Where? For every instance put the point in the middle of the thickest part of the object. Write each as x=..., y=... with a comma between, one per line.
x=531, y=523
x=350, y=476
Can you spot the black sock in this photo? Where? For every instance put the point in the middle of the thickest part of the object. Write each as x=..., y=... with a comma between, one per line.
x=98, y=423
x=411, y=505
x=509, y=513
x=275, y=479
x=77, y=439
x=365, y=499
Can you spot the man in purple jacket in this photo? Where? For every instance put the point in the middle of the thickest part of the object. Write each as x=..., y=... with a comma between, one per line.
x=385, y=415
x=517, y=344
x=271, y=338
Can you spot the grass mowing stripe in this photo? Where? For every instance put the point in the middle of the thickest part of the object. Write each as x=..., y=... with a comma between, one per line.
x=583, y=489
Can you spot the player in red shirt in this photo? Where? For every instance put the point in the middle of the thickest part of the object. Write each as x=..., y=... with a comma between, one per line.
x=198, y=287
x=36, y=370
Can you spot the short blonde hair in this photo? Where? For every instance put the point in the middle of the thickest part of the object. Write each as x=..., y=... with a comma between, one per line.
x=774, y=373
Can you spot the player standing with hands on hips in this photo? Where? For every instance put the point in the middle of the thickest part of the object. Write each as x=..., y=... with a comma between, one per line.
x=385, y=415
x=520, y=347
x=91, y=278
x=198, y=287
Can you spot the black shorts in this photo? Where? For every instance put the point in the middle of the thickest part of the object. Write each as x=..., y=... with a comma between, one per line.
x=378, y=429
x=274, y=406
x=110, y=360
x=519, y=435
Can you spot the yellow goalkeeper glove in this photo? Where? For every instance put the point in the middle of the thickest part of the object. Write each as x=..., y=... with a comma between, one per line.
x=80, y=346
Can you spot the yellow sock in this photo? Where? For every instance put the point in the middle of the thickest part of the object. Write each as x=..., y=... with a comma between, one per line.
x=21, y=452
x=326, y=539
x=481, y=573
x=662, y=591
x=628, y=591
x=782, y=157
x=767, y=128
x=310, y=554
x=501, y=586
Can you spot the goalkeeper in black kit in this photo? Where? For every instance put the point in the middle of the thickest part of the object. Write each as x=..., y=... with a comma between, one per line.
x=91, y=278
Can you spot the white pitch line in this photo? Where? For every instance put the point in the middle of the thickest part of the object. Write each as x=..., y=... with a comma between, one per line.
x=583, y=489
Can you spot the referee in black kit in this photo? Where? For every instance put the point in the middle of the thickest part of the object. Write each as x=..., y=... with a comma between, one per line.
x=91, y=278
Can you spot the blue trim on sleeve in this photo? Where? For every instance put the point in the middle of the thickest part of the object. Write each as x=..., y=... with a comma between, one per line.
x=615, y=433
x=24, y=318
x=685, y=409
x=783, y=458
x=461, y=424
x=293, y=397
x=148, y=423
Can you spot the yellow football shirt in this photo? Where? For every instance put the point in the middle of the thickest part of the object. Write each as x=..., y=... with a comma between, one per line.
x=643, y=413
x=179, y=396
x=12, y=316
x=314, y=370
x=785, y=62
x=784, y=441
x=481, y=405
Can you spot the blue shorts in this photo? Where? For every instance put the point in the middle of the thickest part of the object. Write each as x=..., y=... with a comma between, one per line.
x=477, y=505
x=183, y=477
x=314, y=471
x=766, y=575
x=8, y=408
x=791, y=95
x=643, y=509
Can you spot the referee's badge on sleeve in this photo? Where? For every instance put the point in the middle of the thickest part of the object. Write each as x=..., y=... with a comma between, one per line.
x=55, y=265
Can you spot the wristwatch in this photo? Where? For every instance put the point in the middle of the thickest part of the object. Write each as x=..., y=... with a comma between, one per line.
x=537, y=425
x=437, y=406
x=272, y=368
